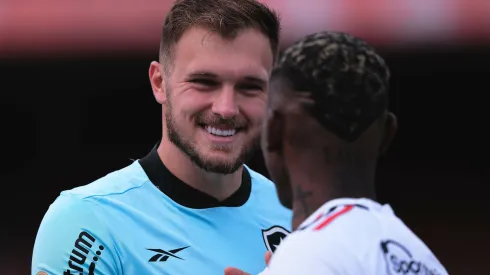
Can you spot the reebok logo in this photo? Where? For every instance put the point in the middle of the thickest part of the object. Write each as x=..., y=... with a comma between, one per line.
x=163, y=256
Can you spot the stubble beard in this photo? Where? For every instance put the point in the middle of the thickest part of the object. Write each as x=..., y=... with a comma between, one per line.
x=201, y=161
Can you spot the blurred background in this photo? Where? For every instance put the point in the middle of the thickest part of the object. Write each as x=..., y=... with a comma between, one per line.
x=76, y=104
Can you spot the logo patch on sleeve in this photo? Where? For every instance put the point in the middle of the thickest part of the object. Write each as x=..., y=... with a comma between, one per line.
x=399, y=260
x=84, y=248
x=273, y=237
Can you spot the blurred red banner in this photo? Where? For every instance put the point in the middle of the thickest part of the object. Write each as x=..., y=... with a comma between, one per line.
x=38, y=27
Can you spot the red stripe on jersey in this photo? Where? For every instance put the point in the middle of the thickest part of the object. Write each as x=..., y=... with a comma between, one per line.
x=329, y=219
x=318, y=218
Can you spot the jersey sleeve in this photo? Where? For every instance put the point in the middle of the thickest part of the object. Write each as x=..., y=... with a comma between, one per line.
x=71, y=240
x=301, y=254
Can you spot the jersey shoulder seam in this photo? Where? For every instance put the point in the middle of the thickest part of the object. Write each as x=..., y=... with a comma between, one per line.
x=89, y=196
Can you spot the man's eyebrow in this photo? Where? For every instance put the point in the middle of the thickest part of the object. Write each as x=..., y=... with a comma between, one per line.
x=256, y=79
x=205, y=74
x=202, y=74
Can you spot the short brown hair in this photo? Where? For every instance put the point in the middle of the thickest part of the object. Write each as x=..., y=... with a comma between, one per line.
x=224, y=17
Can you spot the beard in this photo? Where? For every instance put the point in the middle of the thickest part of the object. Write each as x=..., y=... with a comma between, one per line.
x=200, y=160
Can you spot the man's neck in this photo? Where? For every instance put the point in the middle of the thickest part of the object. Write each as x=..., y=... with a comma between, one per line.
x=218, y=186
x=313, y=188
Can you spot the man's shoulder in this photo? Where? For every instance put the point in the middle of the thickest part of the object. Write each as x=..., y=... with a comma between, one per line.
x=355, y=229
x=83, y=201
x=115, y=183
x=350, y=227
x=355, y=239
x=329, y=238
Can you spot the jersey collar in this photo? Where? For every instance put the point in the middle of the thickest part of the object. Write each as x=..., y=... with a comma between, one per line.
x=335, y=204
x=184, y=194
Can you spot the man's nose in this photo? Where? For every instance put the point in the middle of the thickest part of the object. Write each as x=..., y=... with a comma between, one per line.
x=225, y=103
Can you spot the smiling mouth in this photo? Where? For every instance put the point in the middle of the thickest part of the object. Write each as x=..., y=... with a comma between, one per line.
x=221, y=131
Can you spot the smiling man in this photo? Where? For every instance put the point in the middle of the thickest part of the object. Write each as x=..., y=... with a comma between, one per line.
x=190, y=206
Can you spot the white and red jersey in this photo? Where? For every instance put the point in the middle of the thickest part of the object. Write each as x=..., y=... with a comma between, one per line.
x=353, y=236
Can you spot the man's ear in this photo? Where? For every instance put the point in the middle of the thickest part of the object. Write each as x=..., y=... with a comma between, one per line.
x=157, y=82
x=274, y=131
x=389, y=131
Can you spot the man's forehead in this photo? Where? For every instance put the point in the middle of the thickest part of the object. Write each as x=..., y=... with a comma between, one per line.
x=246, y=55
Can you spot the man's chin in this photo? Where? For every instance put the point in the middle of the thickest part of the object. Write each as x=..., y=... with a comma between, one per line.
x=221, y=168
x=219, y=164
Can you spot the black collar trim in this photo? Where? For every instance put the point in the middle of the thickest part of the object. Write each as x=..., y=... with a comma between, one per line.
x=185, y=195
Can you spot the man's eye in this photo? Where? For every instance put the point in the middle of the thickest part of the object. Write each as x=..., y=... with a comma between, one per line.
x=204, y=82
x=250, y=87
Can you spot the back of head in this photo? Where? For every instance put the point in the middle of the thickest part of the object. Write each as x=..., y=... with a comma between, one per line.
x=224, y=17
x=328, y=120
x=345, y=78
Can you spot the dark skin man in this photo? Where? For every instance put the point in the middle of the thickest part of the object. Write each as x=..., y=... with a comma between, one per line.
x=326, y=125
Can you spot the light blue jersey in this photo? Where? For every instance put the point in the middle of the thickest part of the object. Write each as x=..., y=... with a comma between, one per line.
x=143, y=220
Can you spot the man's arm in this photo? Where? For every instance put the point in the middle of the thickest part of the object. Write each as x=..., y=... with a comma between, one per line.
x=71, y=240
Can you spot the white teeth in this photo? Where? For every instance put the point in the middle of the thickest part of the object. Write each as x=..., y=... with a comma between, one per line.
x=218, y=132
